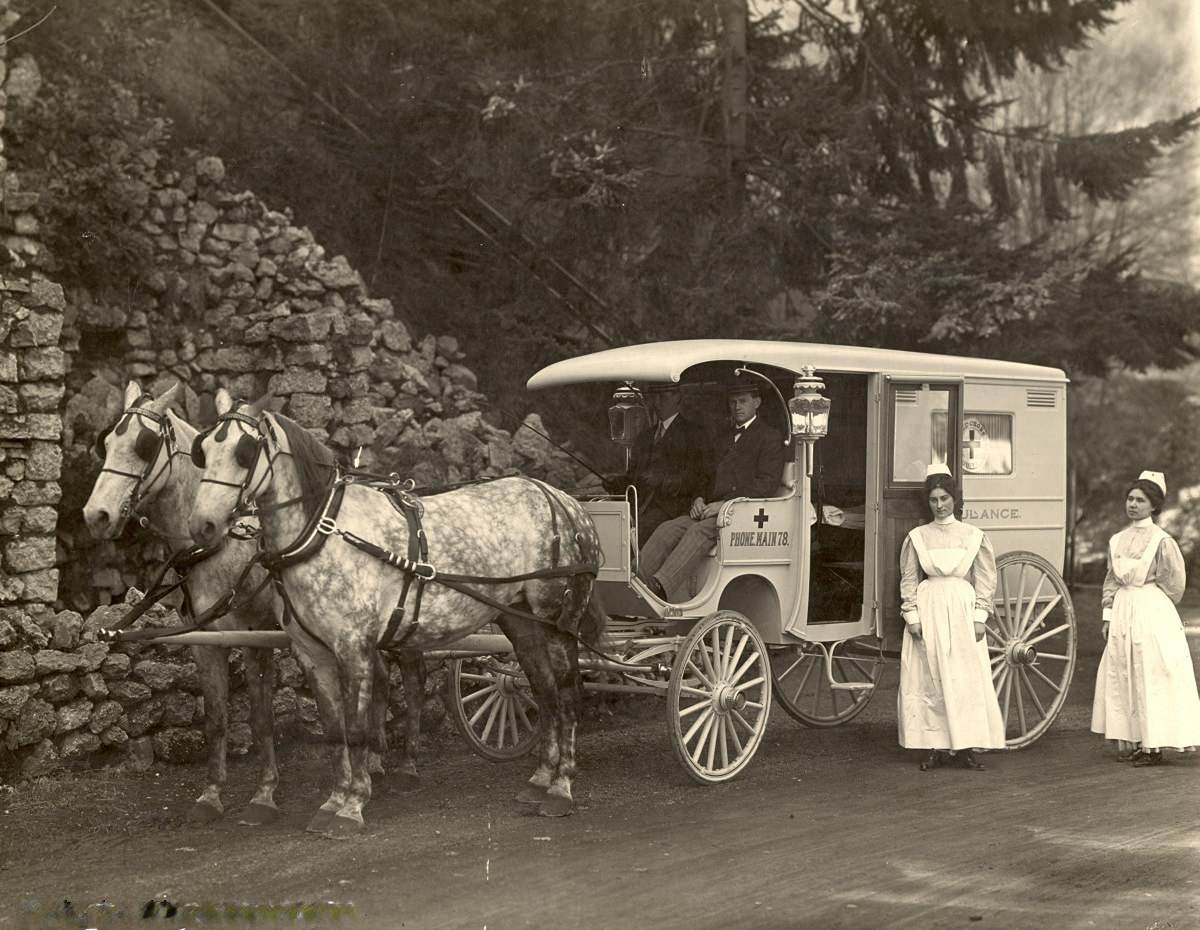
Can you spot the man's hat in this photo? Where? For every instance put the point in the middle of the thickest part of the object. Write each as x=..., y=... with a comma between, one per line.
x=1155, y=477
x=741, y=385
x=661, y=387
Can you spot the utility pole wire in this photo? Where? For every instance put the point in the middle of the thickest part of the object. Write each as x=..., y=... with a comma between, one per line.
x=535, y=247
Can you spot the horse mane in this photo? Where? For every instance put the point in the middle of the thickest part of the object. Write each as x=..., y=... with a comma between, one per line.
x=315, y=463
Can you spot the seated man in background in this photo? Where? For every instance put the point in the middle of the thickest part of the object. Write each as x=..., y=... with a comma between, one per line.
x=666, y=464
x=750, y=467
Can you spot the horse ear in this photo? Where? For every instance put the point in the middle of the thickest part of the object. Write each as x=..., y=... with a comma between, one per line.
x=255, y=409
x=133, y=391
x=170, y=396
x=223, y=402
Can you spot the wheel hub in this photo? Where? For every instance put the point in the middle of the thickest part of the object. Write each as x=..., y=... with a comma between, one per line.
x=727, y=699
x=1021, y=654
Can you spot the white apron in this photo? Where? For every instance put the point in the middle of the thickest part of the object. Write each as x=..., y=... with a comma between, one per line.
x=1145, y=687
x=947, y=699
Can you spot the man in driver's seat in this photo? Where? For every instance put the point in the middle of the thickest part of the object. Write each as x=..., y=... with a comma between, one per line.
x=750, y=467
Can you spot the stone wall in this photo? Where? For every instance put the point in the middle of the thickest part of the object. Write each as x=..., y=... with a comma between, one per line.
x=32, y=369
x=237, y=296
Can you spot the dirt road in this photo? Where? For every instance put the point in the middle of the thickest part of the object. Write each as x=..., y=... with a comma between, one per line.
x=827, y=829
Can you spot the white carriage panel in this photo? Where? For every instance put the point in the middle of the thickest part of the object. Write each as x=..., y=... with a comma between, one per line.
x=612, y=525
x=1025, y=508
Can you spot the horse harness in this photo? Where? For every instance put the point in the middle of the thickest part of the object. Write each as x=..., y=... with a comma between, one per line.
x=418, y=570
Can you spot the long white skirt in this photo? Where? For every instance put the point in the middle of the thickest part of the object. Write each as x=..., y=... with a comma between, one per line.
x=947, y=699
x=1146, y=687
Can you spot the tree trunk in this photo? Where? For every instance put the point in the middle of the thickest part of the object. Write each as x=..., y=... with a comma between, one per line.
x=734, y=91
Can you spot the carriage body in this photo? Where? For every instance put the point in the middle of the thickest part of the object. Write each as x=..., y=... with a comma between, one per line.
x=799, y=601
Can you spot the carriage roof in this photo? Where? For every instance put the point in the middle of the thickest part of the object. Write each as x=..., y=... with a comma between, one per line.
x=666, y=361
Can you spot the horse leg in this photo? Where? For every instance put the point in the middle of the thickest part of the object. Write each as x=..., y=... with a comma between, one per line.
x=212, y=668
x=357, y=670
x=379, y=707
x=529, y=644
x=412, y=671
x=564, y=659
x=260, y=685
x=323, y=680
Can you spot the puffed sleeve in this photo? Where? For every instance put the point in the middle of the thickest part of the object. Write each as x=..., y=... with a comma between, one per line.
x=1109, y=591
x=983, y=576
x=910, y=577
x=1168, y=571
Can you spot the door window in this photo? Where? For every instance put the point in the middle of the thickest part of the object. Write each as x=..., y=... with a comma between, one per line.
x=919, y=415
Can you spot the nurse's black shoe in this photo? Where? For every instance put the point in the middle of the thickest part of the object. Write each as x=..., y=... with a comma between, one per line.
x=1153, y=757
x=967, y=760
x=935, y=758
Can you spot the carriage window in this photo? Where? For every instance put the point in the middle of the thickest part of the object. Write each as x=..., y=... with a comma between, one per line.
x=986, y=442
x=919, y=419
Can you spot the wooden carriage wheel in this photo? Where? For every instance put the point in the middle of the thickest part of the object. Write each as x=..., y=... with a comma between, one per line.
x=802, y=685
x=1031, y=640
x=719, y=697
x=492, y=707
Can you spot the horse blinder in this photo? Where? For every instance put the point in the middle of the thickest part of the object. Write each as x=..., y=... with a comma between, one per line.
x=197, y=450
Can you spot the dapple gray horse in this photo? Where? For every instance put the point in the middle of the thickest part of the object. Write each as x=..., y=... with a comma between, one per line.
x=537, y=543
x=148, y=474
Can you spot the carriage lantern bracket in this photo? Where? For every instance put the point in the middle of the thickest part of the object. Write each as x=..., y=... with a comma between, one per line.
x=627, y=416
x=809, y=408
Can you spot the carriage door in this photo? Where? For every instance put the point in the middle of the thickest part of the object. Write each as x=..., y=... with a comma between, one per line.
x=918, y=417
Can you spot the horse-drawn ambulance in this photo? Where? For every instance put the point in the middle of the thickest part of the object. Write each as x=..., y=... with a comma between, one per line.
x=799, y=598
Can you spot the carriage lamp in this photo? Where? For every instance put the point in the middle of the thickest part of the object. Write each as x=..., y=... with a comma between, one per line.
x=627, y=416
x=809, y=408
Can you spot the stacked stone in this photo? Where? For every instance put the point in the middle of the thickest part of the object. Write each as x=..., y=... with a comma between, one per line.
x=31, y=379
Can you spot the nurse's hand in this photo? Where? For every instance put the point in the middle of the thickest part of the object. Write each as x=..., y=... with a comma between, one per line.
x=1104, y=631
x=915, y=630
x=980, y=629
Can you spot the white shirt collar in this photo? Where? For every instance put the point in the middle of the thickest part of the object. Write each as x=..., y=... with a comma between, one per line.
x=946, y=521
x=665, y=425
x=747, y=423
x=1145, y=521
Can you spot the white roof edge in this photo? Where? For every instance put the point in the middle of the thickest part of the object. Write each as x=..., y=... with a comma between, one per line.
x=667, y=361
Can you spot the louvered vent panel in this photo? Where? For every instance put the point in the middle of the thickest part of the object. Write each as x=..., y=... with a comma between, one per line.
x=906, y=397
x=1041, y=397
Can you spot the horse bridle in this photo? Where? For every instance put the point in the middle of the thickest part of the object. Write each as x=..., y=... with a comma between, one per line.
x=147, y=446
x=251, y=445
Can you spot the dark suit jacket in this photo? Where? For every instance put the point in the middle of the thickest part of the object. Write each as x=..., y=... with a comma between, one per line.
x=750, y=467
x=671, y=474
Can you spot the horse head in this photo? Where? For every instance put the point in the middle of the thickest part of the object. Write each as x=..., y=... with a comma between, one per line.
x=139, y=452
x=237, y=454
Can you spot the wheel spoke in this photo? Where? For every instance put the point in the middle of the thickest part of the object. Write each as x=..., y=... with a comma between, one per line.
x=999, y=639
x=714, y=734
x=736, y=657
x=737, y=742
x=1037, y=671
x=1054, y=655
x=687, y=737
x=727, y=650
x=502, y=729
x=724, y=744
x=1041, y=617
x=1005, y=624
x=1032, y=694
x=711, y=672
x=753, y=683
x=736, y=715
x=1021, y=707
x=487, y=727
x=1048, y=634
x=708, y=680
x=1007, y=693
x=477, y=676
x=483, y=708
x=521, y=712
x=737, y=676
x=702, y=741
x=476, y=695
x=1023, y=626
x=696, y=692
x=693, y=708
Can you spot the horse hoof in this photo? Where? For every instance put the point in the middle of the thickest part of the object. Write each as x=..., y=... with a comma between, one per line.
x=531, y=794
x=344, y=826
x=258, y=815
x=556, y=805
x=202, y=812
x=408, y=781
x=322, y=822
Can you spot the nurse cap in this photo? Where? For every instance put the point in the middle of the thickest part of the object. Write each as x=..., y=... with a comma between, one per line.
x=939, y=468
x=1155, y=477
